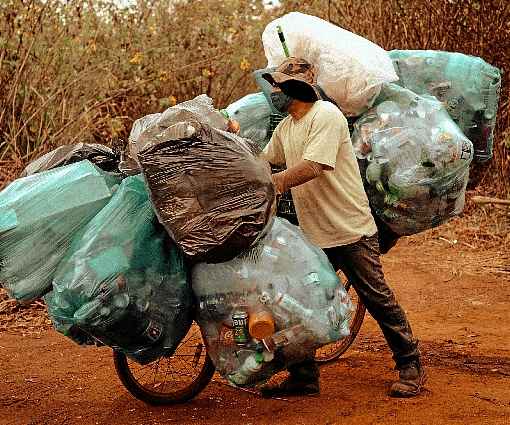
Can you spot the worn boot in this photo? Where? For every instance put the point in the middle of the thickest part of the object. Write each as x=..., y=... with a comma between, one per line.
x=412, y=378
x=303, y=379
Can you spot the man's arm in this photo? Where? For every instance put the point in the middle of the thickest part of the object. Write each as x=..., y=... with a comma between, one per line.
x=299, y=174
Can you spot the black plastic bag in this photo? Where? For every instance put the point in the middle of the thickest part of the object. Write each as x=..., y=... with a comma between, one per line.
x=210, y=189
x=102, y=156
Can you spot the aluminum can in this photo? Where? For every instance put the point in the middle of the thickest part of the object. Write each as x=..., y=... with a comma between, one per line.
x=240, y=327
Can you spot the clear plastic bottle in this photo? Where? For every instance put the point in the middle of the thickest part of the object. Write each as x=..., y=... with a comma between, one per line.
x=250, y=367
x=294, y=335
x=293, y=306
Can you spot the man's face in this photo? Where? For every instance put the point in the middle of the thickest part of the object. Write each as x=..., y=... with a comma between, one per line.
x=280, y=100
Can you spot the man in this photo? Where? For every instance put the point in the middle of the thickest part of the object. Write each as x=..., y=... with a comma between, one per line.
x=333, y=211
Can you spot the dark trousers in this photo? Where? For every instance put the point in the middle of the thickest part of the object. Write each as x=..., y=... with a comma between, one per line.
x=361, y=264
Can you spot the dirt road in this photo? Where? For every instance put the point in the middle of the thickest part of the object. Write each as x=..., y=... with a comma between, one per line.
x=459, y=308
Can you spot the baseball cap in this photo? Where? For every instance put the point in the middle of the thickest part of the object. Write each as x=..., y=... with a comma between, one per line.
x=297, y=78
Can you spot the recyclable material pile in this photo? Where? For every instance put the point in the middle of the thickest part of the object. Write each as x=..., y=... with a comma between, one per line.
x=90, y=243
x=39, y=214
x=421, y=117
x=260, y=313
x=210, y=189
x=116, y=243
x=417, y=160
x=350, y=68
x=123, y=280
x=214, y=195
x=112, y=250
x=467, y=86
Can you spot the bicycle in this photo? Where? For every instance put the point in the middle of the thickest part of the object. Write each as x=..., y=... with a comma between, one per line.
x=194, y=368
x=183, y=375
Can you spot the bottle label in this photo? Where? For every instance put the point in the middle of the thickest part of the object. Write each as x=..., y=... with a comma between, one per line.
x=154, y=331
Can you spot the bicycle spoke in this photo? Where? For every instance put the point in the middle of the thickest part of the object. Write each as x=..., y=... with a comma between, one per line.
x=169, y=375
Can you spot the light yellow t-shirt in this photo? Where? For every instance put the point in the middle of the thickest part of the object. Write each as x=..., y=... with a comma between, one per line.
x=333, y=208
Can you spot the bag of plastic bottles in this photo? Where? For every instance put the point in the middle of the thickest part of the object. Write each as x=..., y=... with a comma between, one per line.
x=200, y=109
x=350, y=68
x=266, y=87
x=101, y=156
x=40, y=214
x=252, y=112
x=416, y=160
x=467, y=86
x=210, y=189
x=271, y=307
x=123, y=281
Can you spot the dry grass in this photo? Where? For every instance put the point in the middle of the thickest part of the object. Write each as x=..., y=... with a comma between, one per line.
x=22, y=319
x=479, y=241
x=83, y=71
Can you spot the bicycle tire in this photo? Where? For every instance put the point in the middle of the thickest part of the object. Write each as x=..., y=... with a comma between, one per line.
x=333, y=351
x=175, y=395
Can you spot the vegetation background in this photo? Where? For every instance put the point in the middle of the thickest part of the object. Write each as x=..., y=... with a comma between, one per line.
x=74, y=71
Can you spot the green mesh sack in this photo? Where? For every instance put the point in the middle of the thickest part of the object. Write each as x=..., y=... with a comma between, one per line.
x=467, y=86
x=39, y=215
x=123, y=281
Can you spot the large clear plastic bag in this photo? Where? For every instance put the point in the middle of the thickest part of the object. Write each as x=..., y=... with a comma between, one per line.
x=123, y=281
x=101, y=156
x=414, y=159
x=210, y=189
x=350, y=68
x=39, y=216
x=467, y=86
x=252, y=112
x=290, y=296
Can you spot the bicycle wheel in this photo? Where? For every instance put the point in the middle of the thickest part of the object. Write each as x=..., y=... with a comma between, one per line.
x=334, y=350
x=169, y=380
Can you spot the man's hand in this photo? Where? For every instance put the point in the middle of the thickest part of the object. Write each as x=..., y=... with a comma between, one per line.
x=233, y=126
x=279, y=183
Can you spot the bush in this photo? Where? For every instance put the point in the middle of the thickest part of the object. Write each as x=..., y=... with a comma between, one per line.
x=84, y=71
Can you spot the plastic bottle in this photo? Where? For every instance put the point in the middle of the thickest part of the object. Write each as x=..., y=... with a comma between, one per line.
x=260, y=322
x=294, y=335
x=249, y=367
x=293, y=306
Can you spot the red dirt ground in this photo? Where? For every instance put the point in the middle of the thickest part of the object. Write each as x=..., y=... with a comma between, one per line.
x=459, y=310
